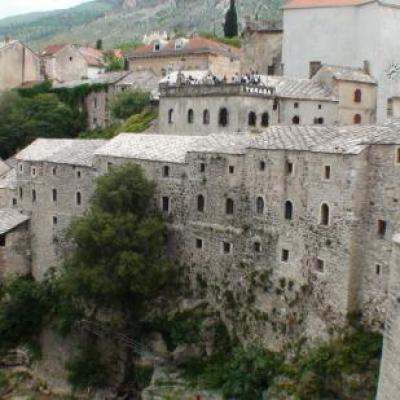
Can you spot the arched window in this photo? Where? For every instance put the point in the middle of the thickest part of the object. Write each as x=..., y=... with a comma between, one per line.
x=229, y=206
x=260, y=205
x=170, y=115
x=223, y=118
x=357, y=119
x=78, y=198
x=357, y=96
x=324, y=214
x=206, y=117
x=265, y=119
x=252, y=119
x=200, y=203
x=190, y=116
x=296, y=120
x=288, y=210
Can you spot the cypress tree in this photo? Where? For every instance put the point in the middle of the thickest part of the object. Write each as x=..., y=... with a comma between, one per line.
x=231, y=21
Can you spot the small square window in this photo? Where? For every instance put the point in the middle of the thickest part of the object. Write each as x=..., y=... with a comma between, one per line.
x=202, y=167
x=382, y=226
x=257, y=247
x=199, y=244
x=289, y=168
x=319, y=106
x=165, y=204
x=262, y=165
x=14, y=201
x=2, y=240
x=296, y=105
x=320, y=265
x=78, y=174
x=227, y=247
x=327, y=172
x=55, y=220
x=285, y=255
x=231, y=169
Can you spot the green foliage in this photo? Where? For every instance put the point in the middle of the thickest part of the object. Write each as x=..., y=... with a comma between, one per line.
x=231, y=29
x=23, y=119
x=24, y=305
x=129, y=103
x=230, y=41
x=117, y=263
x=128, y=46
x=99, y=44
x=138, y=122
x=112, y=62
x=143, y=376
x=86, y=370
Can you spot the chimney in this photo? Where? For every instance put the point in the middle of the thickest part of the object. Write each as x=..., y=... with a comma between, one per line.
x=366, y=67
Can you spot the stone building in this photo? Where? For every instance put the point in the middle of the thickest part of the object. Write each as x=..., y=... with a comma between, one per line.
x=14, y=243
x=262, y=47
x=289, y=230
x=344, y=32
x=105, y=86
x=18, y=65
x=66, y=62
x=334, y=96
x=197, y=53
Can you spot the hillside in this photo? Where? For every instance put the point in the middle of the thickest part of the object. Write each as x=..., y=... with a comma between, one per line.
x=119, y=21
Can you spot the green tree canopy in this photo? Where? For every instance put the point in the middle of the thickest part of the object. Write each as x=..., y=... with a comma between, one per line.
x=231, y=21
x=129, y=103
x=23, y=119
x=117, y=262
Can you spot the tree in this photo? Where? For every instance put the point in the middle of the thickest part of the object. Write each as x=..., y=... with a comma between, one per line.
x=129, y=103
x=113, y=63
x=231, y=21
x=23, y=119
x=117, y=264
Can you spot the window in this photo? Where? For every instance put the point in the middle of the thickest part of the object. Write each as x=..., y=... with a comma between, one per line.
x=324, y=214
x=199, y=244
x=178, y=44
x=54, y=171
x=389, y=108
x=206, y=117
x=285, y=255
x=276, y=104
x=14, y=201
x=327, y=172
x=398, y=155
x=95, y=121
x=229, y=206
x=252, y=119
x=202, y=167
x=377, y=269
x=55, y=220
x=2, y=240
x=296, y=120
x=170, y=116
x=319, y=265
x=95, y=102
x=288, y=210
x=382, y=227
x=21, y=167
x=319, y=121
x=157, y=46
x=109, y=166
x=226, y=248
x=271, y=70
x=265, y=119
x=257, y=247
x=231, y=169
x=71, y=58
x=21, y=193
x=262, y=165
x=260, y=205
x=54, y=195
x=357, y=96
x=223, y=119
x=296, y=105
x=33, y=195
x=289, y=168
x=200, y=203
x=33, y=171
x=357, y=119
x=190, y=116
x=78, y=198
x=165, y=171
x=319, y=106
x=78, y=174
x=165, y=204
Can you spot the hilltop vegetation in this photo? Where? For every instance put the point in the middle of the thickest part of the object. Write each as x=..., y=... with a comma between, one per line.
x=118, y=21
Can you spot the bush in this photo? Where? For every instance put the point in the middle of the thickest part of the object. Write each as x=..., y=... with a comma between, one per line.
x=129, y=103
x=86, y=370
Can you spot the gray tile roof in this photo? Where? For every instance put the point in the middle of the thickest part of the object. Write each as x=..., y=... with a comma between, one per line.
x=109, y=78
x=348, y=74
x=169, y=148
x=9, y=180
x=343, y=140
x=61, y=151
x=10, y=219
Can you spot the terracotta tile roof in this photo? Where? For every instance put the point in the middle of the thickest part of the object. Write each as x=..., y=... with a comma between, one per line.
x=52, y=49
x=192, y=45
x=324, y=3
x=92, y=56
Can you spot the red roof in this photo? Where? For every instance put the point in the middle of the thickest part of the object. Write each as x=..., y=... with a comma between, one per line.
x=92, y=56
x=324, y=3
x=52, y=49
x=193, y=45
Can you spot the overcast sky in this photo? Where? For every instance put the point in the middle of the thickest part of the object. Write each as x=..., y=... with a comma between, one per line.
x=15, y=7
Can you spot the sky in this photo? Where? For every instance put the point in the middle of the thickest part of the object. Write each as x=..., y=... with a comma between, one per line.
x=15, y=7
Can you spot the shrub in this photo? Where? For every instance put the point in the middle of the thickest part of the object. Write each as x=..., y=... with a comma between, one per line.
x=129, y=103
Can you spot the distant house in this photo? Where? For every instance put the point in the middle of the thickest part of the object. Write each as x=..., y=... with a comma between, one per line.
x=65, y=62
x=18, y=64
x=198, y=53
